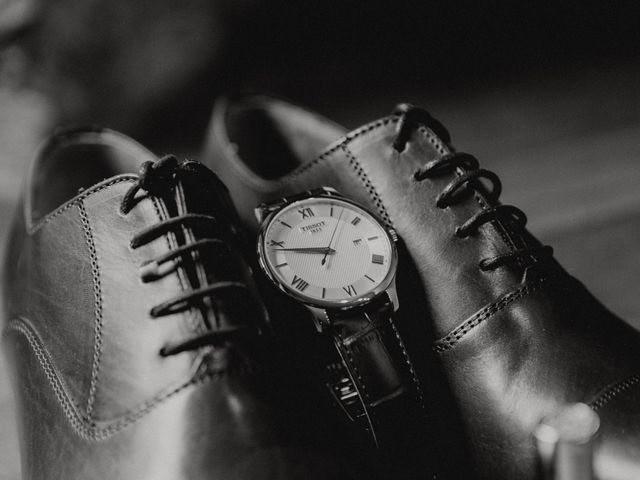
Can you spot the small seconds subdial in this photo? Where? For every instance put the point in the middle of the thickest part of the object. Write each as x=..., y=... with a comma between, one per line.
x=327, y=251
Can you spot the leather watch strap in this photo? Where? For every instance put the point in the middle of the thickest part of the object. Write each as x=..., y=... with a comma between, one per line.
x=375, y=363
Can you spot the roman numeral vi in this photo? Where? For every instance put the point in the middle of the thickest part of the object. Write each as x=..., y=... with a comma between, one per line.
x=351, y=290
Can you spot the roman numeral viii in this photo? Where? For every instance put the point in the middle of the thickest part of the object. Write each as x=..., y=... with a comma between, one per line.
x=299, y=283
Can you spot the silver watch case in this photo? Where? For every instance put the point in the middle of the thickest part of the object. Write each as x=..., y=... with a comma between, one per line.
x=265, y=214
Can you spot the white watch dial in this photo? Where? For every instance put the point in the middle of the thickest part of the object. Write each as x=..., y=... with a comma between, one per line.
x=327, y=251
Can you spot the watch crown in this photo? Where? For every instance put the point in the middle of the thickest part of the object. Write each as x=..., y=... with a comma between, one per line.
x=393, y=234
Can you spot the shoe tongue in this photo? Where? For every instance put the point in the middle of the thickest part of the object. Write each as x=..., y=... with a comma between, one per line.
x=199, y=191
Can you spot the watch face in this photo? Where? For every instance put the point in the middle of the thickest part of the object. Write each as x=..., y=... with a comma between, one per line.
x=328, y=252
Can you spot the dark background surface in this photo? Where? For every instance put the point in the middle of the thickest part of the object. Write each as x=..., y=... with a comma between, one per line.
x=153, y=67
x=546, y=94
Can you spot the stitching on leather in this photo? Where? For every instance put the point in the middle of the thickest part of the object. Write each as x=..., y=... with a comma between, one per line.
x=70, y=408
x=434, y=140
x=361, y=383
x=364, y=178
x=346, y=139
x=353, y=366
x=98, y=318
x=414, y=376
x=442, y=150
x=497, y=225
x=612, y=391
x=451, y=339
x=91, y=431
x=31, y=229
x=500, y=229
x=366, y=181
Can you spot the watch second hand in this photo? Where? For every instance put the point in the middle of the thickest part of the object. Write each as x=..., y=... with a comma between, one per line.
x=324, y=259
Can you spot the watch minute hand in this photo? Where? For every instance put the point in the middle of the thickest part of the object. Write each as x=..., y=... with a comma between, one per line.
x=324, y=250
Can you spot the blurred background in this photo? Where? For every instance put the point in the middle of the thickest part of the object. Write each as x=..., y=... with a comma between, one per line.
x=544, y=93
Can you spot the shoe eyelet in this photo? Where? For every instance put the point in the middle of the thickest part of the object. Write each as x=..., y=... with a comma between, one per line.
x=483, y=265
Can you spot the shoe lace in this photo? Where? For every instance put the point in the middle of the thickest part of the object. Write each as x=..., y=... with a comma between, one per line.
x=159, y=179
x=412, y=117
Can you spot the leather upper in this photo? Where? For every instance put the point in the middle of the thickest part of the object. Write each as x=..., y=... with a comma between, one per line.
x=514, y=343
x=97, y=399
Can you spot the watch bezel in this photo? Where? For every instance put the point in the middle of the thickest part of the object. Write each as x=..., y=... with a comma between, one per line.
x=346, y=303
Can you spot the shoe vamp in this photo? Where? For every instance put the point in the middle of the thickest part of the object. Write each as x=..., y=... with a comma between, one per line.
x=526, y=356
x=82, y=305
x=220, y=427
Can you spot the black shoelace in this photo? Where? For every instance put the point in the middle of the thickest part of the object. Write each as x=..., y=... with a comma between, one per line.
x=411, y=118
x=159, y=179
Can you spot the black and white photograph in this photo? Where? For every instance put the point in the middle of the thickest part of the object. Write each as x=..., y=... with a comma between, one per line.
x=303, y=240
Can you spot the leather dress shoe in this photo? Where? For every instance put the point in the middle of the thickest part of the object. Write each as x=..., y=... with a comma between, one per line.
x=481, y=299
x=138, y=346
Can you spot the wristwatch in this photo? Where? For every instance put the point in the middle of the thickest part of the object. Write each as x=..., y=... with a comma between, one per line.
x=338, y=259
